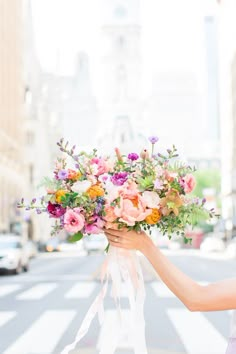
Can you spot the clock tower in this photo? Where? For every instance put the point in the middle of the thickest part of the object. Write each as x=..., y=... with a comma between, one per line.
x=121, y=70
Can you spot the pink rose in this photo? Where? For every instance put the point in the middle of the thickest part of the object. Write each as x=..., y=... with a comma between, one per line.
x=73, y=220
x=189, y=183
x=131, y=211
x=101, y=166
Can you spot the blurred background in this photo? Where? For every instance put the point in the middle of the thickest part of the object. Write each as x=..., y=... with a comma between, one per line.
x=108, y=73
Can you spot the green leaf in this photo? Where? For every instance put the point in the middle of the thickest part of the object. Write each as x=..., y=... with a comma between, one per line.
x=76, y=237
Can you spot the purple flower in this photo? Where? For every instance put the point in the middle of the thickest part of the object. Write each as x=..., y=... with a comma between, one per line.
x=203, y=201
x=55, y=210
x=62, y=174
x=133, y=156
x=119, y=178
x=153, y=139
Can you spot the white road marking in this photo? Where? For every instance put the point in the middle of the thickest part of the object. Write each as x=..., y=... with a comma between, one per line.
x=44, y=334
x=197, y=334
x=37, y=292
x=110, y=330
x=8, y=289
x=6, y=316
x=82, y=290
x=161, y=290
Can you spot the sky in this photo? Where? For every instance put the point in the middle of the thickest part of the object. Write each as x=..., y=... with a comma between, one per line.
x=172, y=34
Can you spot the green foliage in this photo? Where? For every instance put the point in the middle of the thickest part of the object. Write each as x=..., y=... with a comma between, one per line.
x=69, y=200
x=208, y=178
x=50, y=183
x=76, y=237
x=145, y=183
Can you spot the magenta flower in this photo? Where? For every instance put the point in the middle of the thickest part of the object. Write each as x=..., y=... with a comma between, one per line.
x=55, y=210
x=95, y=227
x=119, y=178
x=153, y=139
x=133, y=156
x=62, y=174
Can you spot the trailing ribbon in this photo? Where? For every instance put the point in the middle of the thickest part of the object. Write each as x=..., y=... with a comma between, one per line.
x=122, y=267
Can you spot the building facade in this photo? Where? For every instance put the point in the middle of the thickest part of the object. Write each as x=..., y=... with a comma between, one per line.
x=12, y=162
x=121, y=104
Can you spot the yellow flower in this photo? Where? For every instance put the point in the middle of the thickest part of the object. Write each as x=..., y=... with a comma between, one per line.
x=59, y=194
x=154, y=217
x=95, y=191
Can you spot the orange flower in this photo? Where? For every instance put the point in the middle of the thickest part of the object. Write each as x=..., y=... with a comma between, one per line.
x=73, y=175
x=59, y=194
x=95, y=191
x=171, y=203
x=154, y=217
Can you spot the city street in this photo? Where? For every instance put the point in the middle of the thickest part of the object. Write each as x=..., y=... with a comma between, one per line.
x=40, y=311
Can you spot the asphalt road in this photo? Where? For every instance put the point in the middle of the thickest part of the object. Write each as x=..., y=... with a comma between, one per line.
x=41, y=311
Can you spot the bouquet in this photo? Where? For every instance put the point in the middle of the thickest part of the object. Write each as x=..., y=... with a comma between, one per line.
x=89, y=193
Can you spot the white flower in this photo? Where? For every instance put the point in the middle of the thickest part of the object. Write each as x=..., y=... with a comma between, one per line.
x=81, y=186
x=151, y=199
x=94, y=169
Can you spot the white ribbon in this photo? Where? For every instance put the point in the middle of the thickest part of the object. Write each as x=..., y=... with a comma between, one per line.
x=121, y=266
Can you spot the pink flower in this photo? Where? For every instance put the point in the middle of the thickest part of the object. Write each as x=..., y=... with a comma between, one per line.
x=73, y=220
x=189, y=183
x=131, y=211
x=95, y=227
x=101, y=166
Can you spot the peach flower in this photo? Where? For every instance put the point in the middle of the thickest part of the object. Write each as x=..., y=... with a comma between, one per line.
x=129, y=212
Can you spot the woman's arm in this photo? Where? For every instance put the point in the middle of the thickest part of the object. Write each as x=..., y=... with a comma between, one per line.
x=216, y=296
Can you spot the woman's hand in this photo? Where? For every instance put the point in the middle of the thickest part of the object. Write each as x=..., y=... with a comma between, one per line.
x=131, y=240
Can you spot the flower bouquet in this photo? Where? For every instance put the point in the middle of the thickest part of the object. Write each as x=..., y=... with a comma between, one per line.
x=89, y=193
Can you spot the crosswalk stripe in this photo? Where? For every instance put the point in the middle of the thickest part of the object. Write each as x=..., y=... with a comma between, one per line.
x=110, y=328
x=197, y=334
x=161, y=290
x=44, y=334
x=37, y=292
x=82, y=290
x=8, y=289
x=6, y=316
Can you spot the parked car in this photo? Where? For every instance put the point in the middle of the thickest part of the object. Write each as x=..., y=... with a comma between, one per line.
x=13, y=256
x=95, y=242
x=52, y=245
x=31, y=249
x=212, y=244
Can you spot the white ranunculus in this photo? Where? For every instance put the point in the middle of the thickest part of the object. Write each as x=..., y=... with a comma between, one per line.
x=81, y=186
x=152, y=199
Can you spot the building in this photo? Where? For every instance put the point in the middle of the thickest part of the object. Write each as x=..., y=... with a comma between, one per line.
x=12, y=163
x=120, y=99
x=227, y=32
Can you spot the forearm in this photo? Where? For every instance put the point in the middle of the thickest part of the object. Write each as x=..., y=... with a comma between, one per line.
x=216, y=296
x=179, y=283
